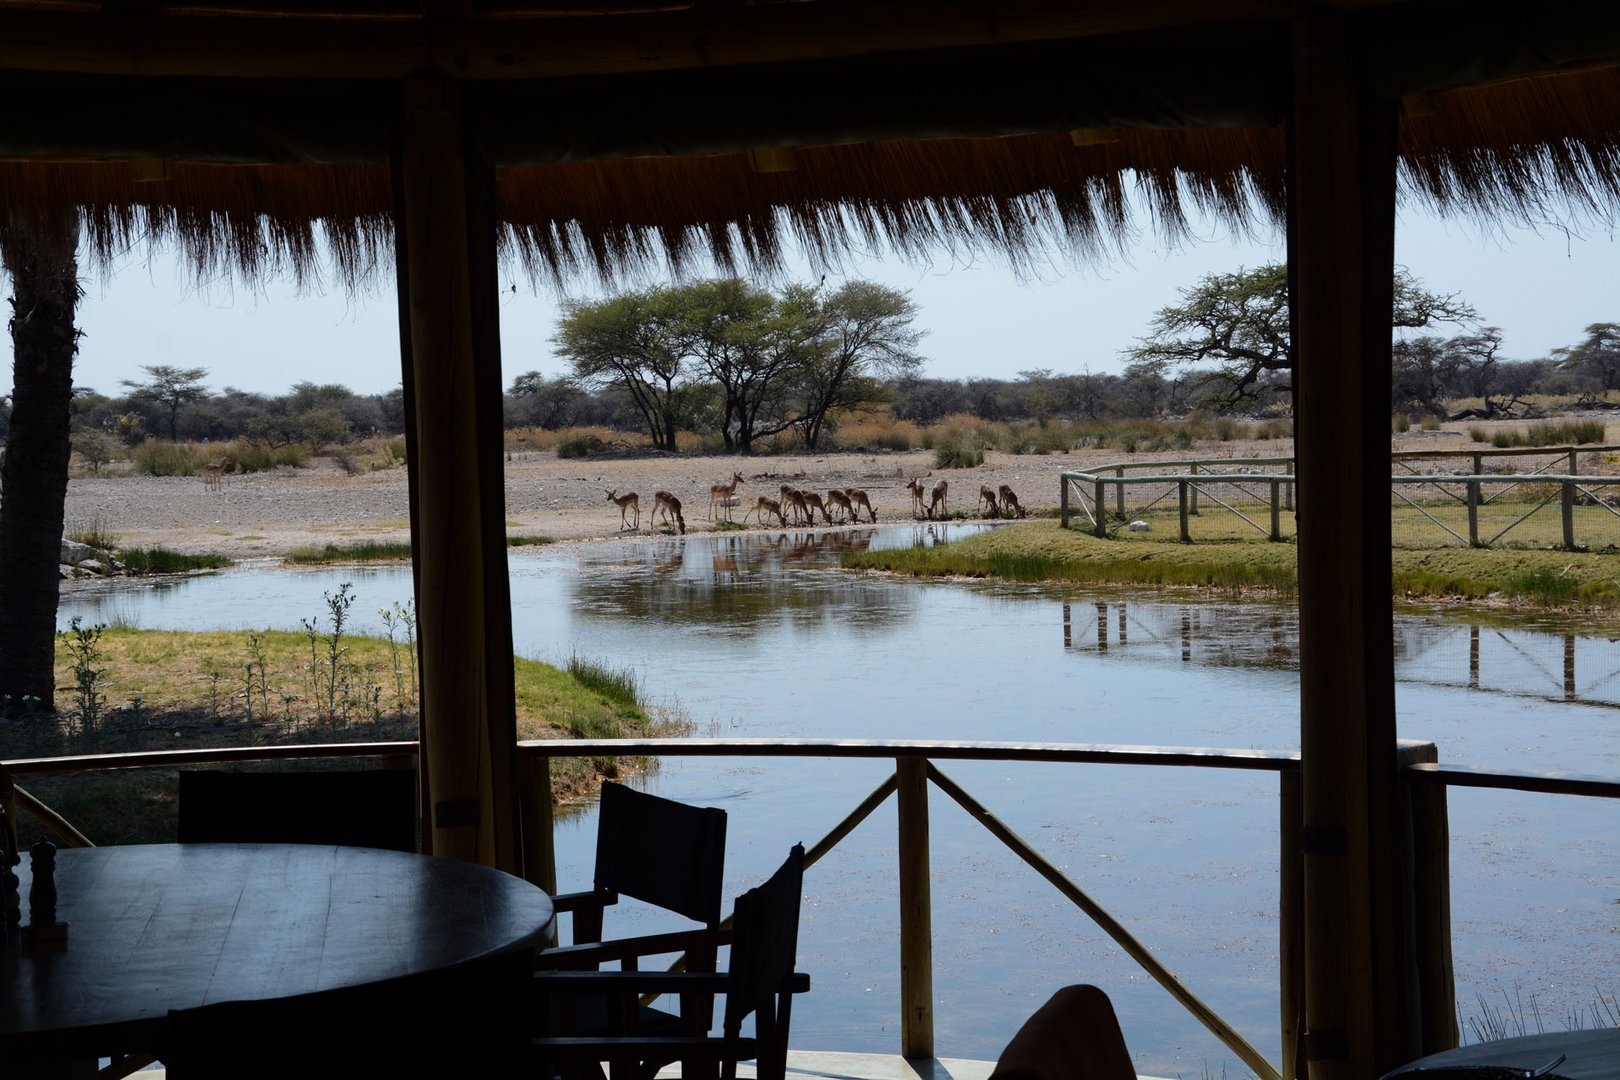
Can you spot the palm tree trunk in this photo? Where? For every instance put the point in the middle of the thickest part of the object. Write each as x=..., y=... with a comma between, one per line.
x=40, y=251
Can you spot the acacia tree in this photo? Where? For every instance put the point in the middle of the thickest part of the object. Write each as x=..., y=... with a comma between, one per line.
x=866, y=332
x=746, y=342
x=40, y=253
x=171, y=387
x=631, y=342
x=1239, y=323
x=1597, y=359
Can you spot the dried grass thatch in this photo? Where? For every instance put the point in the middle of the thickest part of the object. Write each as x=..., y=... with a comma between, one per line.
x=1524, y=152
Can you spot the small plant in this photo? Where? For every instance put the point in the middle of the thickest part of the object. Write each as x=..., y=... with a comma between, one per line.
x=1430, y=423
x=400, y=622
x=1401, y=424
x=964, y=452
x=580, y=446
x=140, y=562
x=615, y=684
x=95, y=449
x=95, y=534
x=529, y=541
x=328, y=676
x=84, y=646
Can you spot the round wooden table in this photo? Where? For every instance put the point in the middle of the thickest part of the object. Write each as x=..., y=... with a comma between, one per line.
x=176, y=926
x=1587, y=1055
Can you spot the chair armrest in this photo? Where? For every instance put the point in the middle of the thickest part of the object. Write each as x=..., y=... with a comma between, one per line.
x=574, y=901
x=798, y=983
x=637, y=982
x=598, y=952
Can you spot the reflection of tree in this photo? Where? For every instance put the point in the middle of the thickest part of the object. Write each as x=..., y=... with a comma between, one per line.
x=742, y=584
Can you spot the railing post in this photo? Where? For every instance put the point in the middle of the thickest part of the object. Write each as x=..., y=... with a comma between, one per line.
x=916, y=912
x=1181, y=491
x=1276, y=508
x=1574, y=466
x=1119, y=492
x=1479, y=464
x=1097, y=502
x=534, y=803
x=1063, y=500
x=1193, y=495
x=1291, y=924
x=1429, y=834
x=1473, y=513
x=1288, y=495
x=1569, y=514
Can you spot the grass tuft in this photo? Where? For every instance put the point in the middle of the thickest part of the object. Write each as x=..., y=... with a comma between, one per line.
x=529, y=541
x=359, y=551
x=139, y=562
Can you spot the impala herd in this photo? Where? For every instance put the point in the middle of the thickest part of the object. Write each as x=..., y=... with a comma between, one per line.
x=799, y=506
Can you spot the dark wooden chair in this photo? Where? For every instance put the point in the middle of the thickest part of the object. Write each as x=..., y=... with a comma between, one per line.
x=664, y=853
x=1074, y=1036
x=760, y=982
x=367, y=808
x=464, y=1022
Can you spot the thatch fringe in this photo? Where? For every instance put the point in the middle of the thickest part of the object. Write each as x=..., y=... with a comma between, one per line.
x=1525, y=152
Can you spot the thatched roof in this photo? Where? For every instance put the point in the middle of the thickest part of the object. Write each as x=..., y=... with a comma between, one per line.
x=626, y=163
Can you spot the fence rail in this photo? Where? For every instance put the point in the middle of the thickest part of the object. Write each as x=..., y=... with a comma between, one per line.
x=1427, y=900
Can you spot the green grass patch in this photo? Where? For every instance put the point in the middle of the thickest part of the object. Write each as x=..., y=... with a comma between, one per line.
x=1039, y=550
x=140, y=562
x=529, y=541
x=359, y=551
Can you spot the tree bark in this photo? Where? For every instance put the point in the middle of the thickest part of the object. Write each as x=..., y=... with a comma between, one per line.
x=40, y=251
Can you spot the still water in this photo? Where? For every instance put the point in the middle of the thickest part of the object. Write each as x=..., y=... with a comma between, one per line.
x=754, y=636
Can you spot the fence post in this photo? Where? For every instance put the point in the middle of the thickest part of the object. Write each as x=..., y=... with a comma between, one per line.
x=916, y=913
x=1102, y=518
x=1193, y=505
x=1429, y=834
x=1181, y=491
x=1119, y=492
x=1479, y=464
x=1569, y=515
x=534, y=804
x=1473, y=513
x=1291, y=924
x=1288, y=495
x=1063, y=500
x=1574, y=466
x=1276, y=516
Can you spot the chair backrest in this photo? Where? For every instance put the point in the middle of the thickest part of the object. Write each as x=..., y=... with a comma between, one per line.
x=369, y=808
x=764, y=941
x=662, y=852
x=1074, y=1036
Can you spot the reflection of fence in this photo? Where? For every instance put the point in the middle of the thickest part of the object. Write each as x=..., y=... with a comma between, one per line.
x=1231, y=499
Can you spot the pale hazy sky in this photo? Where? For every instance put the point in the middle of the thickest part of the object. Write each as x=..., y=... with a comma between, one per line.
x=1542, y=288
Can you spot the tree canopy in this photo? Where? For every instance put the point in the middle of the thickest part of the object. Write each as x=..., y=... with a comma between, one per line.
x=1231, y=336
x=170, y=386
x=725, y=356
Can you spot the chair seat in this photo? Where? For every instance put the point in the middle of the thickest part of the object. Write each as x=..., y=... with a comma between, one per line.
x=589, y=1018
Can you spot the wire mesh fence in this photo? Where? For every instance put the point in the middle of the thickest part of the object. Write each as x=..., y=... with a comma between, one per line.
x=1523, y=498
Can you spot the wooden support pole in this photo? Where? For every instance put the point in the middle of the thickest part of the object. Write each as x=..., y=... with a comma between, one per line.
x=916, y=912
x=1429, y=859
x=1359, y=1019
x=1276, y=510
x=1192, y=506
x=534, y=803
x=1567, y=499
x=1063, y=501
x=1119, y=492
x=1181, y=491
x=1291, y=924
x=1288, y=492
x=1473, y=510
x=1102, y=518
x=450, y=342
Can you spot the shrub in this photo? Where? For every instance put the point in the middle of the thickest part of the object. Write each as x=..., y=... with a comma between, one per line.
x=1275, y=428
x=157, y=457
x=1402, y=423
x=1430, y=423
x=1479, y=434
x=580, y=446
x=95, y=448
x=959, y=454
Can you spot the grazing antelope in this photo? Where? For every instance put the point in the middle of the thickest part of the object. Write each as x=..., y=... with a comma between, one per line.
x=858, y=499
x=793, y=498
x=839, y=501
x=812, y=503
x=937, y=498
x=1009, y=501
x=669, y=504
x=914, y=485
x=214, y=473
x=987, y=498
x=626, y=502
x=766, y=505
x=720, y=495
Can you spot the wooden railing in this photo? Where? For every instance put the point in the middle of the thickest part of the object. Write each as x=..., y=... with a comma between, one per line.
x=1427, y=893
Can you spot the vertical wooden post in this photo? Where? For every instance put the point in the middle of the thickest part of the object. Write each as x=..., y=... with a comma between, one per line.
x=1479, y=464
x=534, y=802
x=916, y=912
x=1192, y=507
x=1473, y=513
x=1181, y=492
x=1288, y=493
x=1063, y=501
x=1429, y=859
x=1574, y=464
x=1291, y=924
x=1568, y=507
x=445, y=225
x=1359, y=1019
x=1102, y=518
x=1119, y=491
x=1276, y=510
